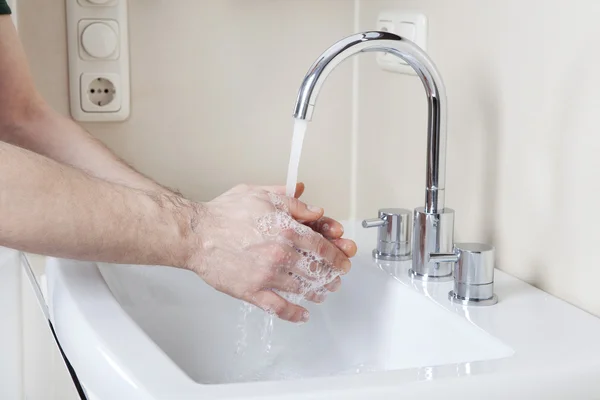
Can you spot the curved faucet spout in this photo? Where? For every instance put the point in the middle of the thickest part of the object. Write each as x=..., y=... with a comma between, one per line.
x=434, y=88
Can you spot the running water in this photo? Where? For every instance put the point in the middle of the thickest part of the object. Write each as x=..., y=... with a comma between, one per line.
x=300, y=126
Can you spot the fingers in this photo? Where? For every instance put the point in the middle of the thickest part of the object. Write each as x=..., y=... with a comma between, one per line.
x=334, y=285
x=314, y=243
x=275, y=304
x=327, y=227
x=297, y=285
x=280, y=190
x=333, y=230
x=299, y=189
x=290, y=283
x=301, y=211
x=347, y=246
x=298, y=210
x=317, y=296
x=286, y=261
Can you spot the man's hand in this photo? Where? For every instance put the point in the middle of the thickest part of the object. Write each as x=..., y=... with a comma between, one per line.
x=251, y=244
x=328, y=227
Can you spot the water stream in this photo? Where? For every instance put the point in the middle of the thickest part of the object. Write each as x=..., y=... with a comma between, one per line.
x=300, y=126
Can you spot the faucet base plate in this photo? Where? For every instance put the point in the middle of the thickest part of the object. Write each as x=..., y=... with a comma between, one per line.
x=429, y=278
x=455, y=299
x=389, y=257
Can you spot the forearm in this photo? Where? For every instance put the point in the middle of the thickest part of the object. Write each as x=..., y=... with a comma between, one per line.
x=53, y=209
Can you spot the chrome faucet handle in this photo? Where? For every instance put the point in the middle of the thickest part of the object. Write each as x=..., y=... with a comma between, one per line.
x=473, y=273
x=393, y=235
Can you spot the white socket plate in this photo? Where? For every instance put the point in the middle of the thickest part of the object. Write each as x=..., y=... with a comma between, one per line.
x=84, y=68
x=88, y=3
x=410, y=25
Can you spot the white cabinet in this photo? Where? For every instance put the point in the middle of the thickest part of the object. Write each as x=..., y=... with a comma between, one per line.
x=45, y=376
x=10, y=326
x=31, y=366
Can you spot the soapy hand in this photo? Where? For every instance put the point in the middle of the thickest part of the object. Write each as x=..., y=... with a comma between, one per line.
x=265, y=248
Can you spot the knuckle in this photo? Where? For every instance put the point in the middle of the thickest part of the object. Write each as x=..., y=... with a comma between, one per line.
x=294, y=287
x=278, y=254
x=323, y=247
x=269, y=274
x=339, y=259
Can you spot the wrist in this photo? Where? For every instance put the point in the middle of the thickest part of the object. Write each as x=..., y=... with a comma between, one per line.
x=183, y=218
x=190, y=223
x=189, y=220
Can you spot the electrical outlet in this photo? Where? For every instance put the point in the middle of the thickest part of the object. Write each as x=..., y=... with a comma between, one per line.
x=409, y=25
x=98, y=46
x=100, y=93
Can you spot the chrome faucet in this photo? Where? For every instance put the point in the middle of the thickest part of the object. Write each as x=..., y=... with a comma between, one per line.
x=433, y=224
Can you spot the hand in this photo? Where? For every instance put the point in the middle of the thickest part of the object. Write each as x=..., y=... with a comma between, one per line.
x=252, y=245
x=328, y=227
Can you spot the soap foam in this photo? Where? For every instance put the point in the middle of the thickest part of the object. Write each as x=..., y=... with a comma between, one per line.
x=318, y=272
x=273, y=224
x=278, y=202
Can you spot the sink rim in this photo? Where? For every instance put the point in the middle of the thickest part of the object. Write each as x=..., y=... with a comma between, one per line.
x=540, y=343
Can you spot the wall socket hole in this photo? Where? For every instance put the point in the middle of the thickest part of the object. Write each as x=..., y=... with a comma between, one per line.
x=101, y=91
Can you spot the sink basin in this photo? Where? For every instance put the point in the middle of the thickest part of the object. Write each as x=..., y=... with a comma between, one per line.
x=140, y=332
x=374, y=324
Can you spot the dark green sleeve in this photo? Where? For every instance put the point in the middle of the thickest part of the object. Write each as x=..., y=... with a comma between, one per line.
x=4, y=8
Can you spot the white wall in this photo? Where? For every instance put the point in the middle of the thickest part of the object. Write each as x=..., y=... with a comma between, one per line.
x=213, y=87
x=523, y=139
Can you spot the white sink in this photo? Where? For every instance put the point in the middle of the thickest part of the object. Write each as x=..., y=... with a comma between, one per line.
x=140, y=332
x=374, y=324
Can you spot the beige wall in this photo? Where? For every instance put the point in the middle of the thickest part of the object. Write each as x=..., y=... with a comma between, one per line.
x=213, y=84
x=213, y=87
x=523, y=143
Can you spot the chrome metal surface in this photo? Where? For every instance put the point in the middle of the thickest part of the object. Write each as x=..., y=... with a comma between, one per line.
x=393, y=235
x=471, y=302
x=473, y=273
x=432, y=233
x=443, y=257
x=373, y=223
x=471, y=291
x=475, y=265
x=385, y=257
x=434, y=224
x=434, y=88
x=428, y=278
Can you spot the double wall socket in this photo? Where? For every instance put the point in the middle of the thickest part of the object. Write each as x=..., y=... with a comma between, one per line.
x=98, y=60
x=407, y=24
